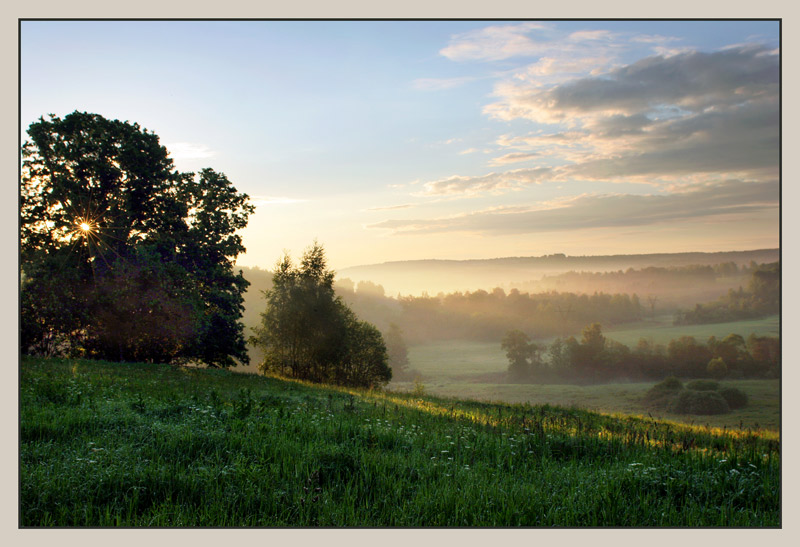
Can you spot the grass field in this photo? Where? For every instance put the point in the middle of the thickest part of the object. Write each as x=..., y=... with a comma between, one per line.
x=464, y=359
x=104, y=444
x=473, y=369
x=661, y=330
x=762, y=411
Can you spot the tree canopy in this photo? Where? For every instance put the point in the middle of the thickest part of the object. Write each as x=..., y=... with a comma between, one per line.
x=308, y=332
x=123, y=257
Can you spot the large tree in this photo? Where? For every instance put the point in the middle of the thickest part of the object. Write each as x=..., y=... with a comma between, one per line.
x=308, y=332
x=123, y=256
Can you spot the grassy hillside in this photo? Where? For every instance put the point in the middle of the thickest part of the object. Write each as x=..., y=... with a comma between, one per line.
x=762, y=411
x=105, y=444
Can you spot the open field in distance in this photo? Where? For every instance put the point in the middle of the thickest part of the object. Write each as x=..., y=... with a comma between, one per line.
x=762, y=411
x=475, y=370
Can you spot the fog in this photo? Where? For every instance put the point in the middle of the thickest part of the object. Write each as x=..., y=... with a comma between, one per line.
x=546, y=297
x=534, y=274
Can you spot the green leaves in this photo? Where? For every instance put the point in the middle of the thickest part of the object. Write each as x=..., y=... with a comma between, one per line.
x=149, y=250
x=307, y=331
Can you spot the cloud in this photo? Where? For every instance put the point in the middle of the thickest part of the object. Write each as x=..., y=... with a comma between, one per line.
x=494, y=43
x=592, y=36
x=392, y=207
x=189, y=151
x=492, y=182
x=672, y=116
x=653, y=39
x=588, y=211
x=654, y=121
x=690, y=81
x=513, y=157
x=743, y=139
x=562, y=65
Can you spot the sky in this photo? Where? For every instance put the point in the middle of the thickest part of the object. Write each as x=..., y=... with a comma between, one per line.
x=402, y=140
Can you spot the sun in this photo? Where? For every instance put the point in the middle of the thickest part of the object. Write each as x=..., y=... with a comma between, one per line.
x=85, y=226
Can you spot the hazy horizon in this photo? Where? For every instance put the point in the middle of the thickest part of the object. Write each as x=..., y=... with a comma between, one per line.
x=411, y=140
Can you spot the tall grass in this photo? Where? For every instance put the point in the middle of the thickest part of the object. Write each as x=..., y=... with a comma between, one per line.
x=106, y=444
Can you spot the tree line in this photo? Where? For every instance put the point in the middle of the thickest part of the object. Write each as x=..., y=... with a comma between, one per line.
x=761, y=298
x=595, y=358
x=487, y=315
x=125, y=258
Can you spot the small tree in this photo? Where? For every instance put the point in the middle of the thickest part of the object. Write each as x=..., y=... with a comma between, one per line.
x=519, y=351
x=717, y=368
x=365, y=363
x=308, y=332
x=397, y=351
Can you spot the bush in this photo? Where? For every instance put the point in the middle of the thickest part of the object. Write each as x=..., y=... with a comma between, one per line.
x=661, y=394
x=703, y=385
x=736, y=398
x=670, y=383
x=691, y=401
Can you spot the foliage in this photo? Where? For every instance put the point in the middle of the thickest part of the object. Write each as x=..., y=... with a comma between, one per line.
x=397, y=351
x=698, y=397
x=520, y=353
x=488, y=315
x=663, y=393
x=761, y=298
x=122, y=256
x=136, y=445
x=669, y=383
x=766, y=354
x=597, y=358
x=307, y=332
x=736, y=398
x=686, y=356
x=690, y=401
x=703, y=385
x=717, y=368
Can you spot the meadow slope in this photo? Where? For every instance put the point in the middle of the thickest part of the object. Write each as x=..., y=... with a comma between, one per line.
x=104, y=444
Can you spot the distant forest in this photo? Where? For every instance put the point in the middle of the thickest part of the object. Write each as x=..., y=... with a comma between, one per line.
x=761, y=297
x=488, y=315
x=668, y=288
x=535, y=274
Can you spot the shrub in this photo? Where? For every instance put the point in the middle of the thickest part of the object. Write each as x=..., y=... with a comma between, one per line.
x=691, y=401
x=736, y=398
x=419, y=388
x=703, y=385
x=670, y=383
x=662, y=394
